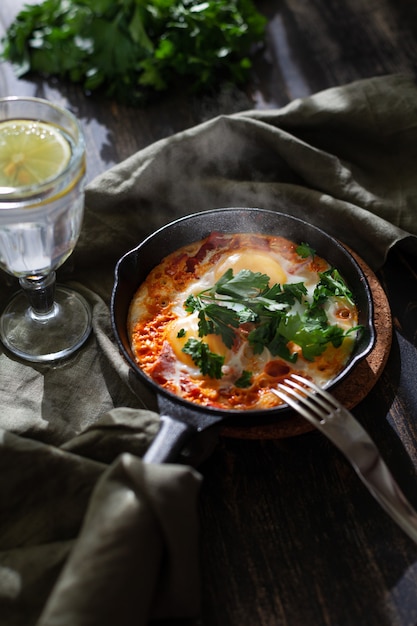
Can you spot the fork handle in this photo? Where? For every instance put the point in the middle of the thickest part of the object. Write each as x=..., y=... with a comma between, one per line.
x=381, y=484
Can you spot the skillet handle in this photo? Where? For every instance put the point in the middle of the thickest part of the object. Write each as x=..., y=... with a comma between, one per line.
x=169, y=441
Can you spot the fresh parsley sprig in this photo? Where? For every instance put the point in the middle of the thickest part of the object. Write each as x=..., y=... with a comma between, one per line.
x=244, y=380
x=304, y=250
x=210, y=363
x=243, y=286
x=218, y=319
x=332, y=284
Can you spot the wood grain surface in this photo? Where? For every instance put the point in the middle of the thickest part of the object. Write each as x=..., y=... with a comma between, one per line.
x=289, y=535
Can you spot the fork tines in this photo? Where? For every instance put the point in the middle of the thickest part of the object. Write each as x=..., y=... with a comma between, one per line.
x=299, y=392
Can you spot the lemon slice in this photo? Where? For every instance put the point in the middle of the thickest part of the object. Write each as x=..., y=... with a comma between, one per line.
x=31, y=153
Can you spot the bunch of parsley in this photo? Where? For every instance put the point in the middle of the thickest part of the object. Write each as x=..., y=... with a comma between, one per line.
x=132, y=49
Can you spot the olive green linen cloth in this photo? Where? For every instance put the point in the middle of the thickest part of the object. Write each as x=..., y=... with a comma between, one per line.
x=89, y=534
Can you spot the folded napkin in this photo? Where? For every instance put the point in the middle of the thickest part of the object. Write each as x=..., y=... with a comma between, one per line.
x=90, y=535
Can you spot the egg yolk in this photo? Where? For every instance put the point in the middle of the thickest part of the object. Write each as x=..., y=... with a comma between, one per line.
x=189, y=329
x=255, y=262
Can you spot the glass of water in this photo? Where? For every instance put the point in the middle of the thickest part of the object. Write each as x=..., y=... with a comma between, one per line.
x=42, y=178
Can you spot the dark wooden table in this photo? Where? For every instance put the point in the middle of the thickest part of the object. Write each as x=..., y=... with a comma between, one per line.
x=290, y=536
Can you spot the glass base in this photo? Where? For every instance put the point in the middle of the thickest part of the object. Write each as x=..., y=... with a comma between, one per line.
x=47, y=337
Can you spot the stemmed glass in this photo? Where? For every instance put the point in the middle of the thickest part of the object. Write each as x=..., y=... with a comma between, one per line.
x=42, y=177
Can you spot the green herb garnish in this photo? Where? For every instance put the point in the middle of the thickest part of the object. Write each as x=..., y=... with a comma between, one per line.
x=279, y=316
x=209, y=362
x=244, y=380
x=332, y=284
x=132, y=49
x=304, y=250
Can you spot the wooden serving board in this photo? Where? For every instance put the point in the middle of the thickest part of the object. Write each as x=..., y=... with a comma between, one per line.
x=351, y=391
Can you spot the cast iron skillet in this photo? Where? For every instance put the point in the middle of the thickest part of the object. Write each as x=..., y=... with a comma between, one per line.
x=181, y=419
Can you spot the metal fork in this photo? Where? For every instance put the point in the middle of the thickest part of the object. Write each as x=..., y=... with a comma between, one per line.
x=322, y=410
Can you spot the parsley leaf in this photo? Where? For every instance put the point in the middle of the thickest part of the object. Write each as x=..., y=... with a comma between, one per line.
x=262, y=335
x=209, y=362
x=221, y=321
x=278, y=346
x=304, y=250
x=244, y=380
x=245, y=284
x=332, y=284
x=314, y=340
x=193, y=303
x=218, y=318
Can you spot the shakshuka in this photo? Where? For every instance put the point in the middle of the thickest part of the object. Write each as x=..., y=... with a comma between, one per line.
x=221, y=321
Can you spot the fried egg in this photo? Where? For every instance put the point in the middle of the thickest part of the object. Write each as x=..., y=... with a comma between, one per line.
x=255, y=261
x=161, y=326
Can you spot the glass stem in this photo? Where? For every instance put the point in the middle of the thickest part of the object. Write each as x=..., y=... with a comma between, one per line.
x=40, y=291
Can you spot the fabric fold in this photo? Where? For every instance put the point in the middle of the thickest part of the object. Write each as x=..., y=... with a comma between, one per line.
x=137, y=553
x=112, y=526
x=342, y=159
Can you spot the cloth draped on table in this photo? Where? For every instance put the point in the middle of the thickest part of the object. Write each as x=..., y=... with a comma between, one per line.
x=89, y=534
